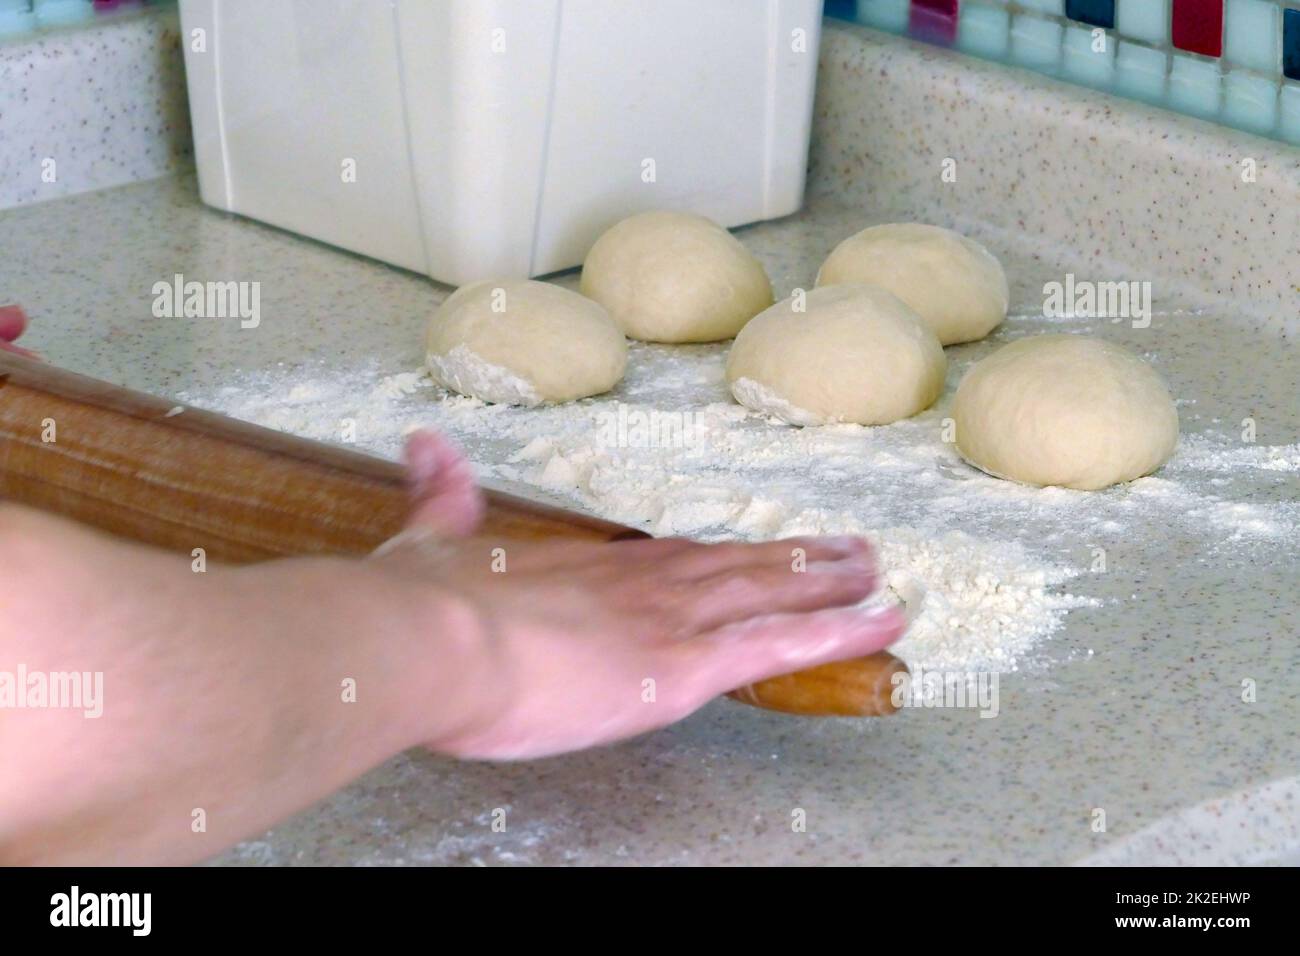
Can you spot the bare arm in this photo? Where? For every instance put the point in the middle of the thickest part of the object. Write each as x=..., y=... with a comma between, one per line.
x=226, y=693
x=221, y=693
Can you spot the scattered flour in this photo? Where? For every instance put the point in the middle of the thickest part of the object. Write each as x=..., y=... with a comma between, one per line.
x=978, y=563
x=978, y=607
x=1197, y=451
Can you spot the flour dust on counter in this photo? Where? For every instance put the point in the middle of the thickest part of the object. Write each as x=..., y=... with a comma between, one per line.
x=986, y=569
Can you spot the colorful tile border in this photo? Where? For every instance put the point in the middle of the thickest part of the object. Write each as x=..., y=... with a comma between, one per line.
x=20, y=19
x=1235, y=62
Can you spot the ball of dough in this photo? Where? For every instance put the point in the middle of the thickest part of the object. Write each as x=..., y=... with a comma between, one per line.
x=520, y=342
x=1065, y=410
x=675, y=277
x=955, y=284
x=855, y=354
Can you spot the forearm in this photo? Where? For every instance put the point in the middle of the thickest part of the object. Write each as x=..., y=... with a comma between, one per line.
x=231, y=698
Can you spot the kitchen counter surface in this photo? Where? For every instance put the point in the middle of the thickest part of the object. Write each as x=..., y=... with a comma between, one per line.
x=1151, y=727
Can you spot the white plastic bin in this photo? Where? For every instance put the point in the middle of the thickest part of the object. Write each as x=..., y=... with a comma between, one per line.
x=469, y=139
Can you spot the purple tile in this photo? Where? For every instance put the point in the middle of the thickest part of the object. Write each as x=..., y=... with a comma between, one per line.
x=934, y=21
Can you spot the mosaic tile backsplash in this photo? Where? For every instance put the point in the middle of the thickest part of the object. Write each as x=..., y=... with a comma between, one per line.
x=19, y=18
x=1236, y=62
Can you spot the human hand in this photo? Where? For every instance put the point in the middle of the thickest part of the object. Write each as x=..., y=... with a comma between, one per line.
x=576, y=644
x=225, y=686
x=12, y=323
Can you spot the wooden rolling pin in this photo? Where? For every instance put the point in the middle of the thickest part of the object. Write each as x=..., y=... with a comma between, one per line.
x=178, y=478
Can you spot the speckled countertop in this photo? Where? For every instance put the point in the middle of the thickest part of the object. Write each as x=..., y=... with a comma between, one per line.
x=1151, y=728
x=89, y=107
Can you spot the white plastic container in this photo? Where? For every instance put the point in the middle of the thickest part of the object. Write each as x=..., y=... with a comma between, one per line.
x=469, y=139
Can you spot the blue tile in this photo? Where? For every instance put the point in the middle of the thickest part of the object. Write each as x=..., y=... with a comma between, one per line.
x=1100, y=13
x=1291, y=44
x=842, y=9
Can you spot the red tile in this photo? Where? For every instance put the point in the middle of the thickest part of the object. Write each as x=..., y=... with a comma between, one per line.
x=934, y=21
x=1198, y=26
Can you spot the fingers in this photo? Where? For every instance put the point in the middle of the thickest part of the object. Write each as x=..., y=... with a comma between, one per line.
x=445, y=495
x=754, y=650
x=669, y=563
x=743, y=593
x=787, y=552
x=626, y=558
x=12, y=322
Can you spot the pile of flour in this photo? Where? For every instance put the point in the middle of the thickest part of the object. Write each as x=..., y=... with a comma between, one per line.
x=670, y=453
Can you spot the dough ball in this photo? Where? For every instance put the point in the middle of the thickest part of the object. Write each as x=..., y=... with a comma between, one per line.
x=855, y=354
x=675, y=277
x=955, y=284
x=1065, y=410
x=520, y=342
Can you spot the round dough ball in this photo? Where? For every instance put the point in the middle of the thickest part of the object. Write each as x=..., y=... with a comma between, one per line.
x=955, y=284
x=855, y=354
x=1065, y=410
x=520, y=342
x=675, y=277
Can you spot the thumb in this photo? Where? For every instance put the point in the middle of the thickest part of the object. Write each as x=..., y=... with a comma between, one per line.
x=445, y=497
x=746, y=652
x=12, y=323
